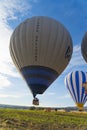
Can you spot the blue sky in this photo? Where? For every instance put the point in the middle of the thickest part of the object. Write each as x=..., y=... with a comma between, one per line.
x=73, y=15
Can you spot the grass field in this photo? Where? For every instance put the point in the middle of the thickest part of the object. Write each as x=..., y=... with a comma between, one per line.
x=15, y=119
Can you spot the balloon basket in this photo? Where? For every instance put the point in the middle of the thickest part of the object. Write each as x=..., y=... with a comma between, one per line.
x=35, y=101
x=80, y=109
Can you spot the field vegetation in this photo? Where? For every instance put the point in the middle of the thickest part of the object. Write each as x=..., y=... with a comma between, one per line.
x=16, y=119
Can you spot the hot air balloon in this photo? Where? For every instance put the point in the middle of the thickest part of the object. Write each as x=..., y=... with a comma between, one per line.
x=74, y=82
x=84, y=47
x=41, y=48
x=84, y=54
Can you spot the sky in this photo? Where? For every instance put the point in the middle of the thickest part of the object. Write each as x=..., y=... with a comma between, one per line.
x=73, y=15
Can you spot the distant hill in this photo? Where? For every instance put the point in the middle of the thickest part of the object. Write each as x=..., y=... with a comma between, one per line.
x=40, y=108
x=13, y=106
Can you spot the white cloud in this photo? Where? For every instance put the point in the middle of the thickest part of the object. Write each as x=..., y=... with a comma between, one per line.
x=9, y=10
x=18, y=95
x=8, y=96
x=77, y=61
x=64, y=96
x=77, y=58
x=4, y=82
x=50, y=93
x=7, y=68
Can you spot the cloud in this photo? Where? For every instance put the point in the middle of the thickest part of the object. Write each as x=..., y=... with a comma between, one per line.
x=77, y=61
x=8, y=96
x=77, y=58
x=50, y=93
x=18, y=95
x=4, y=82
x=10, y=10
x=64, y=96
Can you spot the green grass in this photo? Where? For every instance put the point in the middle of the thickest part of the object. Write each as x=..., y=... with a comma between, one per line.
x=41, y=120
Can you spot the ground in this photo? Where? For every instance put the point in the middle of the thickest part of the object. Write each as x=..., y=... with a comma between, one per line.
x=16, y=119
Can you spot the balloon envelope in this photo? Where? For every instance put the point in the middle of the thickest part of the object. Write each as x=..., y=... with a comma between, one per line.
x=84, y=47
x=73, y=82
x=41, y=48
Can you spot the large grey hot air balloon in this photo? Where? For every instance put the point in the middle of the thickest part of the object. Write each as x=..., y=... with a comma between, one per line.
x=84, y=47
x=41, y=48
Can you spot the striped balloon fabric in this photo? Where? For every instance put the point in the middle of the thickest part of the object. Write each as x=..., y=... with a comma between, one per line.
x=74, y=81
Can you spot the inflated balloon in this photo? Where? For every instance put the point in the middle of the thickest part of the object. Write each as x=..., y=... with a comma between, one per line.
x=41, y=48
x=84, y=47
x=74, y=82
